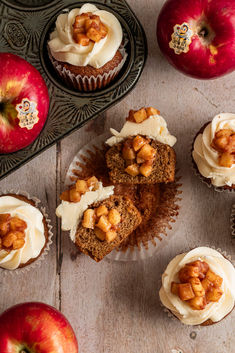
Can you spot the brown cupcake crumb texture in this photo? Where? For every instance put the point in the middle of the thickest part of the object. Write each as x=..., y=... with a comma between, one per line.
x=86, y=239
x=163, y=166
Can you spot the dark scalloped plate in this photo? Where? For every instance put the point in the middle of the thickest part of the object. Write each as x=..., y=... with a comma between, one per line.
x=24, y=30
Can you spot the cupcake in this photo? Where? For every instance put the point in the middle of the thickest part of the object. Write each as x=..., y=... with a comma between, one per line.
x=214, y=152
x=24, y=231
x=97, y=219
x=85, y=48
x=156, y=202
x=142, y=153
x=198, y=287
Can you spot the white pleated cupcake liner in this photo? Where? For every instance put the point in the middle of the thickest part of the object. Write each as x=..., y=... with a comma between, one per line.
x=88, y=83
x=39, y=260
x=132, y=253
x=232, y=221
x=170, y=314
x=204, y=180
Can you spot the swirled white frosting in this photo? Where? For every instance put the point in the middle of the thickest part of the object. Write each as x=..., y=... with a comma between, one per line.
x=155, y=127
x=71, y=212
x=64, y=48
x=215, y=311
x=34, y=233
x=207, y=158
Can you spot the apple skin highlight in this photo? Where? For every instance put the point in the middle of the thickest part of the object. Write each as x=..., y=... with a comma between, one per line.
x=36, y=328
x=211, y=52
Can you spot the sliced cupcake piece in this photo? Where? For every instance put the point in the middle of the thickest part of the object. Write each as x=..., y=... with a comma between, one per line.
x=97, y=219
x=105, y=225
x=142, y=152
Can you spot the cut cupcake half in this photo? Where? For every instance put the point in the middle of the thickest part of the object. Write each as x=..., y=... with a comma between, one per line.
x=98, y=220
x=142, y=152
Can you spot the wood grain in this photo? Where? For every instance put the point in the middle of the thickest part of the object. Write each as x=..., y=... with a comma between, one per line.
x=113, y=306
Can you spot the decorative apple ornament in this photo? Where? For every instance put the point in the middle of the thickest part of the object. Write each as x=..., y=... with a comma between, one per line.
x=24, y=103
x=36, y=328
x=198, y=36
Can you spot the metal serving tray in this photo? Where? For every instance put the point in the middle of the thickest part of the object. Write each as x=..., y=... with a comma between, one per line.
x=24, y=30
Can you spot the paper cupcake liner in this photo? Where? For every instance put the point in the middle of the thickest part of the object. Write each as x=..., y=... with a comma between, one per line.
x=204, y=180
x=167, y=211
x=41, y=257
x=87, y=83
x=232, y=221
x=173, y=317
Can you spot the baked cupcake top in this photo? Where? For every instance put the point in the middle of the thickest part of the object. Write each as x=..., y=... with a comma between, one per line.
x=86, y=36
x=21, y=232
x=146, y=122
x=217, y=282
x=214, y=150
x=77, y=199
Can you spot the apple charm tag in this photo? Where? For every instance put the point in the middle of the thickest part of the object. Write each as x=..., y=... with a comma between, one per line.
x=181, y=38
x=27, y=113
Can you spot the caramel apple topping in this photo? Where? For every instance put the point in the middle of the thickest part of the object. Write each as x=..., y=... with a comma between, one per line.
x=139, y=156
x=12, y=235
x=88, y=27
x=138, y=116
x=224, y=143
x=198, y=285
x=81, y=187
x=104, y=222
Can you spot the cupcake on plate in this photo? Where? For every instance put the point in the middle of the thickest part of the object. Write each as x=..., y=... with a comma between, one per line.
x=98, y=220
x=198, y=287
x=142, y=153
x=25, y=231
x=85, y=48
x=214, y=152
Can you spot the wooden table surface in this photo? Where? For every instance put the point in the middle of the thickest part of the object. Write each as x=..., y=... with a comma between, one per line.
x=113, y=306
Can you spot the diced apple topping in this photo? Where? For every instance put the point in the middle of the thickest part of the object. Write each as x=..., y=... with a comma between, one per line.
x=224, y=144
x=74, y=195
x=12, y=232
x=88, y=28
x=81, y=187
x=104, y=221
x=175, y=288
x=198, y=303
x=185, y=291
x=110, y=236
x=198, y=285
x=132, y=170
x=139, y=156
x=214, y=294
x=99, y=233
x=89, y=219
x=114, y=217
x=102, y=211
x=138, y=116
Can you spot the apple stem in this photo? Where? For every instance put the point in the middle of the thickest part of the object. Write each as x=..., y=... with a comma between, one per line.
x=203, y=32
x=1, y=107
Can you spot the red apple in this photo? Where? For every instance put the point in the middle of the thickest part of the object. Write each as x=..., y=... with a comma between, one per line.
x=36, y=328
x=24, y=103
x=198, y=36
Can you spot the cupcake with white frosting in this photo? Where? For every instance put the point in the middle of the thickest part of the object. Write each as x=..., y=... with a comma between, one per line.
x=198, y=287
x=85, y=47
x=25, y=231
x=214, y=152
